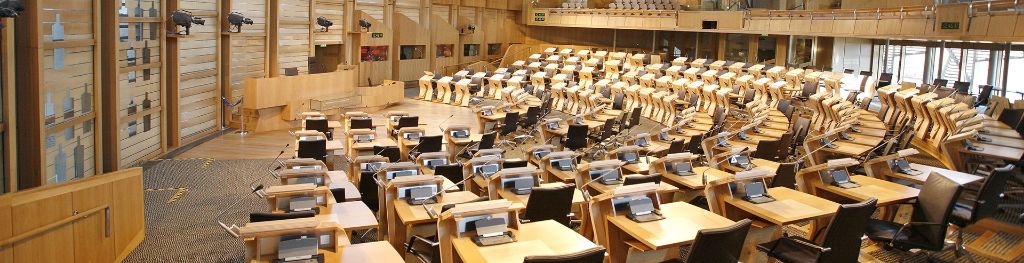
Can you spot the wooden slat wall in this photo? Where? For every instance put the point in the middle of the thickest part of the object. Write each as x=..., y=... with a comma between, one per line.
x=444, y=35
x=70, y=138
x=139, y=105
x=372, y=8
x=248, y=50
x=375, y=72
x=413, y=35
x=409, y=8
x=443, y=11
x=293, y=50
x=333, y=10
x=198, y=86
x=467, y=16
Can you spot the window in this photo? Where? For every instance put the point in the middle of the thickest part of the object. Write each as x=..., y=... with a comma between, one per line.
x=445, y=50
x=801, y=51
x=950, y=68
x=494, y=49
x=766, y=46
x=1015, y=82
x=889, y=59
x=470, y=50
x=412, y=52
x=707, y=45
x=373, y=53
x=976, y=65
x=737, y=47
x=913, y=64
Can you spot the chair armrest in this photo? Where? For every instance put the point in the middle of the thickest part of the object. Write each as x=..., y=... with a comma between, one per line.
x=911, y=224
x=809, y=244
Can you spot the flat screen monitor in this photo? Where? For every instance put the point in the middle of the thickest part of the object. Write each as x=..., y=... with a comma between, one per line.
x=629, y=157
x=412, y=136
x=539, y=154
x=605, y=176
x=460, y=134
x=292, y=248
x=486, y=170
x=373, y=166
x=642, y=142
x=754, y=189
x=840, y=176
x=679, y=168
x=399, y=173
x=431, y=163
x=363, y=137
x=562, y=164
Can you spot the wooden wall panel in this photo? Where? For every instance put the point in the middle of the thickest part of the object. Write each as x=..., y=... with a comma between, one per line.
x=372, y=8
x=443, y=12
x=372, y=70
x=294, y=46
x=446, y=43
x=198, y=84
x=410, y=9
x=139, y=87
x=333, y=10
x=469, y=16
x=411, y=34
x=44, y=211
x=249, y=49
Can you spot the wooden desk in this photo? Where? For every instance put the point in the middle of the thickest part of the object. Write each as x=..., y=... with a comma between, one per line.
x=339, y=179
x=997, y=152
x=532, y=239
x=563, y=176
x=790, y=207
x=366, y=148
x=603, y=188
x=927, y=170
x=695, y=181
x=403, y=217
x=642, y=167
x=378, y=251
x=350, y=216
x=577, y=196
x=886, y=192
x=680, y=226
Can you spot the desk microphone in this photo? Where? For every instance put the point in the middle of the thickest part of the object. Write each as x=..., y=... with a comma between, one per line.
x=255, y=189
x=586, y=194
x=799, y=160
x=890, y=140
x=277, y=160
x=431, y=211
x=439, y=126
x=704, y=175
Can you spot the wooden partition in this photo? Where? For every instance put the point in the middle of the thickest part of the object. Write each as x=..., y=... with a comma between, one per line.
x=293, y=49
x=195, y=73
x=244, y=54
x=446, y=42
x=374, y=64
x=412, y=44
x=472, y=42
x=98, y=219
x=134, y=104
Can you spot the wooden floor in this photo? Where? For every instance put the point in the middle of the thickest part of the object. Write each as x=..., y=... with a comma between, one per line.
x=266, y=145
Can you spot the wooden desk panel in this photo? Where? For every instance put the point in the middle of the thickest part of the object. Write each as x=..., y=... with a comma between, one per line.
x=379, y=251
x=927, y=170
x=791, y=206
x=680, y=226
x=695, y=181
x=350, y=216
x=886, y=192
x=533, y=239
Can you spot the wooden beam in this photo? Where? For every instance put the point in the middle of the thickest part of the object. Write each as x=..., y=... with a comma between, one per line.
x=28, y=93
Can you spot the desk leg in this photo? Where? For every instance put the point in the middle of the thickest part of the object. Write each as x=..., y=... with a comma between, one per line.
x=757, y=236
x=586, y=228
x=617, y=249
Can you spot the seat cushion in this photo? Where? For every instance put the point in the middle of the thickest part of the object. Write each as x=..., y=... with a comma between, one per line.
x=885, y=231
x=789, y=251
x=961, y=215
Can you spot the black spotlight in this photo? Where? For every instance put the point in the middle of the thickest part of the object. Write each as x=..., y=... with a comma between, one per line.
x=325, y=23
x=11, y=8
x=365, y=25
x=236, y=20
x=185, y=19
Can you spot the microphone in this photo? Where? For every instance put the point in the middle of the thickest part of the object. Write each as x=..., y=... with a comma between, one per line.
x=704, y=176
x=586, y=194
x=439, y=126
x=277, y=160
x=232, y=229
x=890, y=140
x=799, y=160
x=433, y=213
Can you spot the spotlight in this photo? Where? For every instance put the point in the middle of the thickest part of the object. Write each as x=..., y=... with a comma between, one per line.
x=469, y=29
x=236, y=19
x=325, y=23
x=11, y=8
x=185, y=19
x=365, y=25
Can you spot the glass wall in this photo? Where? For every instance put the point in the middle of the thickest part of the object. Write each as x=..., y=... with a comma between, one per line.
x=801, y=51
x=766, y=46
x=975, y=63
x=707, y=46
x=1015, y=82
x=737, y=47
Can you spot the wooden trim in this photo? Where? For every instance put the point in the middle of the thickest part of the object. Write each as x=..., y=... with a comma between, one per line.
x=273, y=35
x=172, y=113
x=7, y=87
x=28, y=92
x=54, y=225
x=108, y=104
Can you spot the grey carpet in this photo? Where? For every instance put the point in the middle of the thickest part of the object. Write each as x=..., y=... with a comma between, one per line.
x=187, y=230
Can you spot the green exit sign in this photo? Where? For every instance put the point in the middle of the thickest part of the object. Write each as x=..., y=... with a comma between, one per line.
x=376, y=35
x=950, y=25
x=539, y=17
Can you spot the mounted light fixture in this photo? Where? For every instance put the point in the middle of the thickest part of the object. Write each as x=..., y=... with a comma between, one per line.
x=185, y=19
x=236, y=20
x=325, y=23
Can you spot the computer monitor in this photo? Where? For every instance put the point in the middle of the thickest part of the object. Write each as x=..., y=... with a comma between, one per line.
x=629, y=157
x=486, y=112
x=840, y=176
x=607, y=176
x=641, y=206
x=431, y=163
x=293, y=248
x=519, y=185
x=460, y=134
x=372, y=166
x=310, y=138
x=491, y=227
x=564, y=165
x=540, y=153
x=417, y=194
x=314, y=167
x=301, y=203
x=740, y=160
x=754, y=189
x=903, y=166
x=363, y=137
x=642, y=142
x=664, y=136
x=399, y=173
x=395, y=118
x=679, y=168
x=412, y=135
x=486, y=170
x=553, y=125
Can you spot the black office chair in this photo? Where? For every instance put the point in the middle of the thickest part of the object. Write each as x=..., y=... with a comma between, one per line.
x=360, y=123
x=783, y=104
x=639, y=179
x=693, y=146
x=809, y=89
x=768, y=150
x=677, y=146
x=592, y=255
x=532, y=116
x=320, y=125
x=404, y=122
x=451, y=171
x=983, y=96
x=885, y=79
x=928, y=223
x=799, y=130
x=511, y=123
x=1012, y=117
x=428, y=144
x=391, y=152
x=617, y=101
x=785, y=142
x=607, y=131
x=984, y=205
x=634, y=118
x=962, y=87
x=719, y=244
x=576, y=137
x=316, y=149
x=785, y=176
x=338, y=194
x=845, y=71
x=840, y=242
x=368, y=190
x=940, y=82
x=514, y=163
x=487, y=141
x=550, y=203
x=264, y=217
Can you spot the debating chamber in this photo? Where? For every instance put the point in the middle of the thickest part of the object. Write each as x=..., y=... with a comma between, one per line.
x=416, y=131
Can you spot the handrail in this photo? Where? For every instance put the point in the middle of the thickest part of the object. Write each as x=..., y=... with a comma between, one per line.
x=62, y=222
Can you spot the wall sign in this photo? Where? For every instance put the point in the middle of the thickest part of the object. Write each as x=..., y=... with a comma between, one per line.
x=376, y=35
x=950, y=25
x=539, y=17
